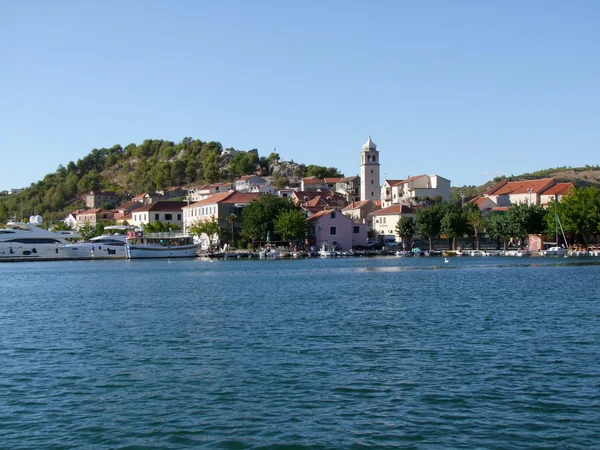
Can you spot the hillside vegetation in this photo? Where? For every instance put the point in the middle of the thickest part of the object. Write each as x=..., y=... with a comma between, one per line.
x=148, y=167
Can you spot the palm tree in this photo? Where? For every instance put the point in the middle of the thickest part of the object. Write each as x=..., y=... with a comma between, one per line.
x=231, y=218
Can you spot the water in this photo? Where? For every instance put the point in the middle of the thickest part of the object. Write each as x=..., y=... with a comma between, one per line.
x=344, y=353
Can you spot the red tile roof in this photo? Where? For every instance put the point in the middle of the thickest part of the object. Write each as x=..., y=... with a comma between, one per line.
x=394, y=209
x=228, y=197
x=521, y=187
x=332, y=179
x=356, y=205
x=312, y=180
x=320, y=214
x=559, y=189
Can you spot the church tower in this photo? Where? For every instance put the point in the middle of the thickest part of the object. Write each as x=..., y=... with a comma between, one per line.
x=369, y=172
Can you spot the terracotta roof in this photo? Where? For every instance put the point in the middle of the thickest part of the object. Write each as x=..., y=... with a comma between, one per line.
x=320, y=214
x=356, y=205
x=227, y=197
x=522, y=187
x=394, y=209
x=348, y=179
x=128, y=205
x=215, y=198
x=91, y=211
x=559, y=189
x=500, y=208
x=332, y=179
x=312, y=180
x=162, y=205
x=408, y=180
x=391, y=182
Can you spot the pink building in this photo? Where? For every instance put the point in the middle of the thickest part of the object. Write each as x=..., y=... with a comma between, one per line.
x=333, y=227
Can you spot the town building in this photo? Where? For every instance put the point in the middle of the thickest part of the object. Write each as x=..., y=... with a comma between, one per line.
x=369, y=172
x=97, y=199
x=220, y=206
x=248, y=182
x=167, y=212
x=359, y=211
x=349, y=187
x=94, y=216
x=384, y=221
x=197, y=193
x=333, y=227
x=313, y=202
x=408, y=191
x=533, y=192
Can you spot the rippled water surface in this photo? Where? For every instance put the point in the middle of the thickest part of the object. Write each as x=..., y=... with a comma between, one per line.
x=344, y=353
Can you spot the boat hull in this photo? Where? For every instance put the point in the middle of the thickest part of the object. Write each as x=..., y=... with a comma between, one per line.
x=150, y=251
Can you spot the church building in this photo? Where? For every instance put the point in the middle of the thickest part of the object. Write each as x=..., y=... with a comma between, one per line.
x=369, y=172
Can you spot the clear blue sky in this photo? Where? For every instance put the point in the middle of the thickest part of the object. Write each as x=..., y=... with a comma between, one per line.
x=467, y=89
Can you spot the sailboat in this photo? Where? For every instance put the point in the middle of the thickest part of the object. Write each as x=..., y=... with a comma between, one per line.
x=556, y=250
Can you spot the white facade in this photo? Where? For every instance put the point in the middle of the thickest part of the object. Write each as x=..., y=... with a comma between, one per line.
x=420, y=186
x=369, y=172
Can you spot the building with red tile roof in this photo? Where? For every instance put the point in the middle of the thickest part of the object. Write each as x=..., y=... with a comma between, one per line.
x=168, y=212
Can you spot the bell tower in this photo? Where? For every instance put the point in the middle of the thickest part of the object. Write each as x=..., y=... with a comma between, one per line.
x=369, y=172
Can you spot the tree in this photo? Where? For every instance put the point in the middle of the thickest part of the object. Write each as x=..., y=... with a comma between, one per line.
x=291, y=225
x=258, y=218
x=210, y=228
x=453, y=223
x=231, y=218
x=500, y=228
x=526, y=219
x=405, y=228
x=476, y=222
x=322, y=172
x=428, y=222
x=579, y=213
x=210, y=166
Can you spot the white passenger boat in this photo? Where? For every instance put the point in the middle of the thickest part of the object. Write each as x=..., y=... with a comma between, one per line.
x=107, y=246
x=327, y=250
x=21, y=241
x=554, y=251
x=160, y=245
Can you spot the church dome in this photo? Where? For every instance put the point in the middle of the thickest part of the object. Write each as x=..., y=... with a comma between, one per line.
x=369, y=145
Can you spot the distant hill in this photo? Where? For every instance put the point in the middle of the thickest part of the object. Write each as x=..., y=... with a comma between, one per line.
x=579, y=176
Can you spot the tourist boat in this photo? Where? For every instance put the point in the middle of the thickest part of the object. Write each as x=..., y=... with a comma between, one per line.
x=107, y=246
x=404, y=253
x=21, y=241
x=159, y=245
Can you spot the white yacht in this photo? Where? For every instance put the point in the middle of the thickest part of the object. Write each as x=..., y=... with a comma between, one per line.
x=107, y=246
x=21, y=241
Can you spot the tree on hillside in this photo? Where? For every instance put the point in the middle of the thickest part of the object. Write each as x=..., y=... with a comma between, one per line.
x=243, y=163
x=322, y=172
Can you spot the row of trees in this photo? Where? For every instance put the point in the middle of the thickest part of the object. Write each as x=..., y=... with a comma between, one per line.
x=578, y=213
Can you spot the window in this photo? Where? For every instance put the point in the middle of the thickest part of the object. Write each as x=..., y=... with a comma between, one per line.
x=178, y=216
x=156, y=216
x=371, y=170
x=374, y=158
x=333, y=215
x=332, y=231
x=371, y=183
x=168, y=216
x=356, y=229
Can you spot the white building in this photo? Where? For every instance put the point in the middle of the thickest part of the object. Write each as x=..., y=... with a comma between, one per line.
x=394, y=192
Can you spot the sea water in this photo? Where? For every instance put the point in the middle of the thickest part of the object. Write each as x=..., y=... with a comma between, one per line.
x=493, y=353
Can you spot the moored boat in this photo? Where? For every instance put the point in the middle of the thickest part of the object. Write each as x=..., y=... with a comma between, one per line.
x=22, y=241
x=160, y=245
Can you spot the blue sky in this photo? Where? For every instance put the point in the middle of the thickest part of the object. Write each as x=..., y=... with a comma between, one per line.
x=468, y=90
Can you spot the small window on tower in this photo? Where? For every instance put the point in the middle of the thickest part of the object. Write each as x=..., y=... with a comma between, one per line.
x=374, y=158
